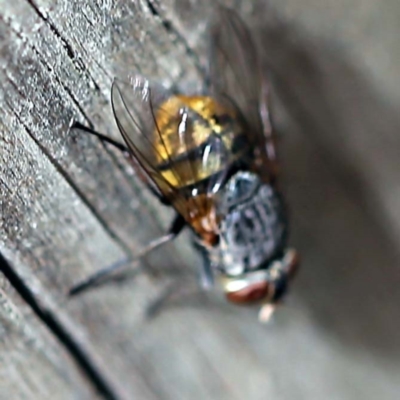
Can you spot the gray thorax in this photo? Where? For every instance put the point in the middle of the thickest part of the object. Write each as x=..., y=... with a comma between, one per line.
x=252, y=228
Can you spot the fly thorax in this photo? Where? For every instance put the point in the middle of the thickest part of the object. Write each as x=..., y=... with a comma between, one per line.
x=252, y=226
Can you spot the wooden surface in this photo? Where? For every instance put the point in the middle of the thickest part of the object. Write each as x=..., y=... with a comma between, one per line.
x=33, y=363
x=70, y=205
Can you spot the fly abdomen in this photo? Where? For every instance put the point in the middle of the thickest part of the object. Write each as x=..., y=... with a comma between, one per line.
x=196, y=138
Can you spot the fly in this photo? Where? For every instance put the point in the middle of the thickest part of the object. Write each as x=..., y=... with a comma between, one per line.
x=212, y=158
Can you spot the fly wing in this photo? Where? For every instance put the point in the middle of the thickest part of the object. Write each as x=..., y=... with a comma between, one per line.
x=160, y=131
x=236, y=79
x=134, y=105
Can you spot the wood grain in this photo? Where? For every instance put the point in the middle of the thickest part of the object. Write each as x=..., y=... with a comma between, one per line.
x=71, y=205
x=33, y=364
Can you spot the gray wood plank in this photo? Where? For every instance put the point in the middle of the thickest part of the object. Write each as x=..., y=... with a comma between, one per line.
x=70, y=205
x=33, y=365
x=46, y=253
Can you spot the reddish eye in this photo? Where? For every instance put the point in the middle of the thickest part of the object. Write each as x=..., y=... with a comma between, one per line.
x=250, y=294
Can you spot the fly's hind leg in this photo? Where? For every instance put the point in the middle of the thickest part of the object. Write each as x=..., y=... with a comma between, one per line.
x=103, y=275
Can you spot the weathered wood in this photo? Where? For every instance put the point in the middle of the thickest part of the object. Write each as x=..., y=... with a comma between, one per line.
x=70, y=205
x=32, y=363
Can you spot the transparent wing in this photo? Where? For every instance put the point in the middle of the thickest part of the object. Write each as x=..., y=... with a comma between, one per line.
x=235, y=78
x=133, y=105
x=171, y=143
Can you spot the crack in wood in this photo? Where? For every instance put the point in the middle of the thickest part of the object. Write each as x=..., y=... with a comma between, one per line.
x=81, y=358
x=69, y=49
x=74, y=59
x=65, y=87
x=169, y=27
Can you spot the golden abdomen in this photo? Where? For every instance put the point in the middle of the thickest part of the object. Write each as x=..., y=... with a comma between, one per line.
x=186, y=126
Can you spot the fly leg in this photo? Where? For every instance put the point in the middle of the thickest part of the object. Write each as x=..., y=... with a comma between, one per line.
x=178, y=223
x=206, y=275
x=127, y=153
x=104, y=274
x=120, y=146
